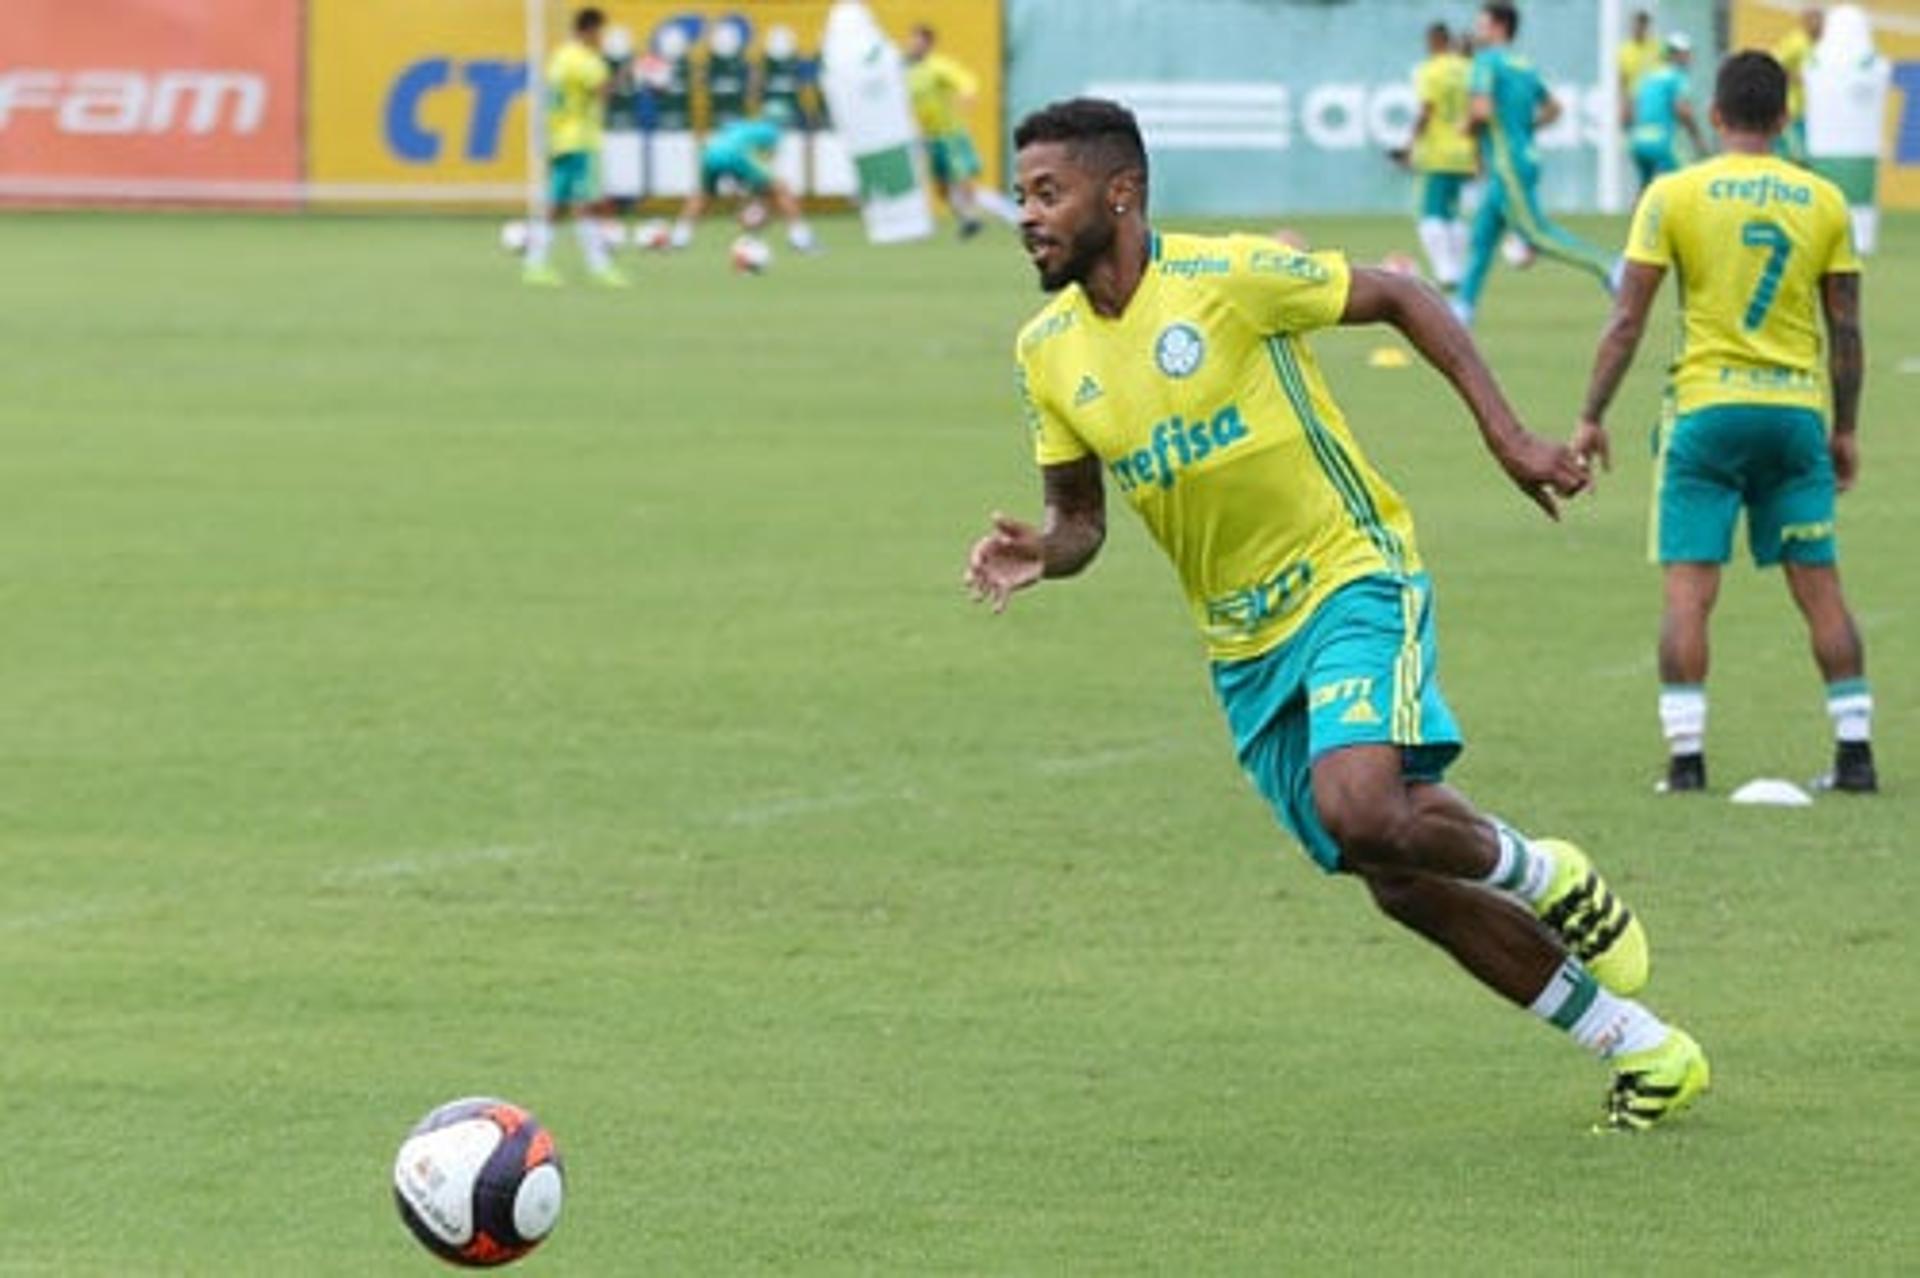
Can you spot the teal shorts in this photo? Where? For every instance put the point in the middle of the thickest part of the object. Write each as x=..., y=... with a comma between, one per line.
x=1770, y=462
x=716, y=166
x=1440, y=195
x=571, y=179
x=1359, y=671
x=1654, y=158
x=951, y=158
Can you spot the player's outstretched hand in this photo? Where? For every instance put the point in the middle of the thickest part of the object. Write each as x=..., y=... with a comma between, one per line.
x=1543, y=470
x=1844, y=448
x=1590, y=442
x=1011, y=557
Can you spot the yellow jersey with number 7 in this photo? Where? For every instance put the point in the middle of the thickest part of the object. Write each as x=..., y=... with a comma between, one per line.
x=1750, y=237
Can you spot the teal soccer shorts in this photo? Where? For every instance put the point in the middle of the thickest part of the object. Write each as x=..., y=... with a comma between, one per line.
x=1440, y=195
x=570, y=179
x=951, y=158
x=1770, y=462
x=1360, y=671
x=751, y=175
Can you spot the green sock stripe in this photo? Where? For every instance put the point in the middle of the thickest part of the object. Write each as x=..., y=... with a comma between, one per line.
x=1682, y=687
x=1579, y=998
x=1847, y=688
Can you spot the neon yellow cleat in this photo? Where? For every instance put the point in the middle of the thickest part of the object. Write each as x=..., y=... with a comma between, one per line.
x=610, y=277
x=1596, y=925
x=1652, y=1086
x=542, y=277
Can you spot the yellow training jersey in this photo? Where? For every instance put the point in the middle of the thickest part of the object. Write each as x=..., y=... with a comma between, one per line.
x=1637, y=57
x=936, y=84
x=1750, y=236
x=1792, y=53
x=1207, y=411
x=575, y=74
x=1446, y=145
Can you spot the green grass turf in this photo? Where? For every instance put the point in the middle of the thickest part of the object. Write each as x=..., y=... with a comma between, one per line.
x=418, y=686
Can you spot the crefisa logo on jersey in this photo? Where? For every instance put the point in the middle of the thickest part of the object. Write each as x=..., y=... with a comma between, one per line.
x=1179, y=350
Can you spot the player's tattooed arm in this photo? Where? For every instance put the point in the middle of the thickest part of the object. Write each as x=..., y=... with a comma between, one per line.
x=1638, y=284
x=1015, y=554
x=1847, y=367
x=1539, y=468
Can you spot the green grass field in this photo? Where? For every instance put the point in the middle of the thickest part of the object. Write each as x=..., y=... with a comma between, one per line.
x=416, y=686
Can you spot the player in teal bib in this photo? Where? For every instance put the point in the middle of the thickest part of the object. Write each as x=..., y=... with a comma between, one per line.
x=1660, y=110
x=1510, y=102
x=740, y=157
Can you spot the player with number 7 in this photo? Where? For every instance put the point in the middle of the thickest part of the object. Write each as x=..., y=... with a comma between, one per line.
x=1764, y=252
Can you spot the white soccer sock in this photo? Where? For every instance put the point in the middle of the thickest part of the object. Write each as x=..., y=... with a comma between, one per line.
x=1438, y=243
x=800, y=235
x=1850, y=706
x=539, y=242
x=1524, y=869
x=1460, y=241
x=1683, y=717
x=1603, y=1023
x=681, y=235
x=997, y=203
x=592, y=247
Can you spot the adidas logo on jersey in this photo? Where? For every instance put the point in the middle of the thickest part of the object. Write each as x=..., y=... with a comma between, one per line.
x=1088, y=392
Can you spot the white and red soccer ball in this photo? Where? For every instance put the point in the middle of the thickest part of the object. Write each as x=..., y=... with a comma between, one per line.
x=751, y=255
x=479, y=1182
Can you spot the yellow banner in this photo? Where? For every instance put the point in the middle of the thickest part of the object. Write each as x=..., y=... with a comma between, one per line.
x=429, y=95
x=1759, y=24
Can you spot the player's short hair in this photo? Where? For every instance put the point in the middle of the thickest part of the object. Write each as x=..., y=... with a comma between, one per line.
x=1506, y=15
x=1751, y=92
x=1643, y=17
x=589, y=19
x=925, y=32
x=1438, y=34
x=1100, y=133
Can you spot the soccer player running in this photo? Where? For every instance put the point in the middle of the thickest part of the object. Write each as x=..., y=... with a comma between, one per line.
x=1660, y=108
x=1510, y=103
x=1177, y=365
x=1762, y=248
x=742, y=153
x=1442, y=155
x=578, y=80
x=942, y=91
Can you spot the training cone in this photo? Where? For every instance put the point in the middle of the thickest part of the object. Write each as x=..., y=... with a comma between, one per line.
x=1388, y=357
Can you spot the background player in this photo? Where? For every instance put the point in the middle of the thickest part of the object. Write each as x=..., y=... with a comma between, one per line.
x=577, y=84
x=1792, y=52
x=1639, y=53
x=1761, y=247
x=1660, y=107
x=942, y=92
x=742, y=154
x=1510, y=103
x=1442, y=155
x=1194, y=389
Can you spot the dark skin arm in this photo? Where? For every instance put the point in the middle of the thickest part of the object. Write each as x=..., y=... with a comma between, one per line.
x=1541, y=469
x=1684, y=110
x=1847, y=367
x=1639, y=284
x=1015, y=554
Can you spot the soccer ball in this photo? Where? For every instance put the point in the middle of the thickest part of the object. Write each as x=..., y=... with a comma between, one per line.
x=478, y=1182
x=653, y=235
x=751, y=255
x=513, y=238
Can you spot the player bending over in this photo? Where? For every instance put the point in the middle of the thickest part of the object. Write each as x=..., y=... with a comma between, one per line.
x=1762, y=249
x=1442, y=155
x=577, y=85
x=742, y=153
x=1177, y=367
x=942, y=92
x=1660, y=109
x=1510, y=103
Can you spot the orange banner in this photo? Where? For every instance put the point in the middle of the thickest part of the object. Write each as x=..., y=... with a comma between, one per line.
x=150, y=99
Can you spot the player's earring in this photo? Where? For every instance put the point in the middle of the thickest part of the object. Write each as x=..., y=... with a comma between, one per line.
x=1119, y=210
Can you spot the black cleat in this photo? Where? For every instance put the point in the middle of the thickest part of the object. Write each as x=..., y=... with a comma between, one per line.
x=969, y=227
x=1852, y=770
x=1686, y=774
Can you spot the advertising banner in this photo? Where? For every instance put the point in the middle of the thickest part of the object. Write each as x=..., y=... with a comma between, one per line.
x=426, y=99
x=154, y=100
x=1292, y=105
x=1896, y=37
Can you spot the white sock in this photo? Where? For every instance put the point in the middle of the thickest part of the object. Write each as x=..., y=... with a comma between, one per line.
x=1439, y=249
x=1460, y=241
x=539, y=242
x=1603, y=1023
x=1524, y=869
x=800, y=235
x=1683, y=717
x=998, y=204
x=682, y=234
x=592, y=247
x=1850, y=706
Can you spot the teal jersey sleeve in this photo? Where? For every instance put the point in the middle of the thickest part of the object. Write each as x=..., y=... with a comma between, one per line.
x=1480, y=80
